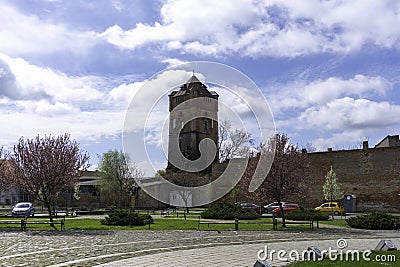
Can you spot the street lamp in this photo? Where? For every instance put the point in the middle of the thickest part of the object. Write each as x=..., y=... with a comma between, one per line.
x=132, y=193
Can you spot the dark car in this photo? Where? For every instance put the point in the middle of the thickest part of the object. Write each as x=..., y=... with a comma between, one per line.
x=248, y=205
x=271, y=206
x=23, y=208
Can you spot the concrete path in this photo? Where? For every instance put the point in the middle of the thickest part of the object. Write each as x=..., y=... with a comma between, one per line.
x=247, y=254
x=171, y=248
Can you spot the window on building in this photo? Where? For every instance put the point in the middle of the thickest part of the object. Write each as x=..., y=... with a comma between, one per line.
x=206, y=124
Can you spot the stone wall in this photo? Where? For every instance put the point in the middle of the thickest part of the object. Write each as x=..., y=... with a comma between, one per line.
x=371, y=174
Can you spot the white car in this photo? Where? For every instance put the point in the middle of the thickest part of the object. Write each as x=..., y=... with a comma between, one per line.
x=23, y=208
x=271, y=206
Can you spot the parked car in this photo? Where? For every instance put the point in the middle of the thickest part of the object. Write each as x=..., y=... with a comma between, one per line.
x=331, y=208
x=23, y=208
x=286, y=208
x=248, y=205
x=271, y=206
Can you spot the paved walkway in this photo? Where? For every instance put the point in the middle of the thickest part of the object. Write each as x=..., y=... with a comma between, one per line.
x=247, y=254
x=170, y=248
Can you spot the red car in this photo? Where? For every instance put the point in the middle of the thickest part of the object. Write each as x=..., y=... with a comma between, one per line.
x=286, y=208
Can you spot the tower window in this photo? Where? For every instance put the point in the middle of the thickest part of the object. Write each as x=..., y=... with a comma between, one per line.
x=206, y=124
x=174, y=123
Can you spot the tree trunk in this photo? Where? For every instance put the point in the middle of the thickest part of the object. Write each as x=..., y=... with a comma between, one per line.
x=50, y=214
x=282, y=213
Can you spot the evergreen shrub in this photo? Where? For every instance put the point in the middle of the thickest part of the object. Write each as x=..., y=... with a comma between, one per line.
x=302, y=214
x=125, y=218
x=228, y=211
x=375, y=221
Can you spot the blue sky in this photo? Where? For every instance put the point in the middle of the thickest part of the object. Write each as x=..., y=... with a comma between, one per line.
x=330, y=70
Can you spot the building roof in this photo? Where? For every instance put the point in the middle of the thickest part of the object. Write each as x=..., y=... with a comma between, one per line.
x=389, y=141
x=194, y=84
x=193, y=79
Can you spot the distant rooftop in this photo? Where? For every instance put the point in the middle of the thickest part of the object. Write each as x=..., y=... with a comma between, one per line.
x=389, y=141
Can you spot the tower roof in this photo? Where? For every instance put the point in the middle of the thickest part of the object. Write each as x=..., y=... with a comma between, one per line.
x=195, y=87
x=193, y=79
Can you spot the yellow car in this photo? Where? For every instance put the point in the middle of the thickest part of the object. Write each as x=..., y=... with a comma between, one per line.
x=331, y=207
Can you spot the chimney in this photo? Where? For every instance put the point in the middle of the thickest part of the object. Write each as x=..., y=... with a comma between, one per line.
x=329, y=149
x=365, y=145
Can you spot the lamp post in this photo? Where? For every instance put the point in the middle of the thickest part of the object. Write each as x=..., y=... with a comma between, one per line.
x=132, y=193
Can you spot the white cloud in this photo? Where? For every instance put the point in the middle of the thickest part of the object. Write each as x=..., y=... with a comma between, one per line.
x=346, y=139
x=173, y=61
x=31, y=81
x=349, y=113
x=275, y=28
x=197, y=25
x=320, y=92
x=80, y=105
x=27, y=34
x=44, y=108
x=335, y=112
x=122, y=94
x=117, y=5
x=82, y=125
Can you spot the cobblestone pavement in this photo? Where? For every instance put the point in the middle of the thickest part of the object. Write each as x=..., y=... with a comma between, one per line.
x=152, y=248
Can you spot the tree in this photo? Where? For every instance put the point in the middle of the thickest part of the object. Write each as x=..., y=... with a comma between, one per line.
x=233, y=143
x=117, y=177
x=44, y=167
x=331, y=188
x=187, y=180
x=5, y=179
x=310, y=147
x=287, y=173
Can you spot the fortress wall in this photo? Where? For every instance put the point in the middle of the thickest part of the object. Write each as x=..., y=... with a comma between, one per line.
x=369, y=174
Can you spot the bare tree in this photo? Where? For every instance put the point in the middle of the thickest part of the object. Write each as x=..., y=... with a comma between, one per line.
x=287, y=173
x=233, y=143
x=44, y=167
x=117, y=177
x=187, y=180
x=310, y=147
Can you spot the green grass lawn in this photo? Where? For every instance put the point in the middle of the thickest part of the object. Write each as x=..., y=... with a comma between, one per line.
x=377, y=258
x=336, y=222
x=172, y=222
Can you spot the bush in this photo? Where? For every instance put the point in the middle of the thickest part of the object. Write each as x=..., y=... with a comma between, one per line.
x=375, y=221
x=228, y=211
x=306, y=214
x=125, y=218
